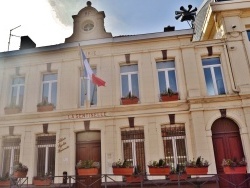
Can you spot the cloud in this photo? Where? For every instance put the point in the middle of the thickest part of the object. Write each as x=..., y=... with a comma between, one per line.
x=64, y=9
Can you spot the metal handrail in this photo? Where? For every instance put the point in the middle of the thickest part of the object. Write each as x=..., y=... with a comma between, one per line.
x=109, y=180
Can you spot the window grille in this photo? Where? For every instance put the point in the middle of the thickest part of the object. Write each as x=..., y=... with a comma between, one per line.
x=174, y=142
x=46, y=154
x=11, y=153
x=133, y=147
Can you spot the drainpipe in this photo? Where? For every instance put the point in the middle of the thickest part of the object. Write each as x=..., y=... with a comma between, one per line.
x=231, y=75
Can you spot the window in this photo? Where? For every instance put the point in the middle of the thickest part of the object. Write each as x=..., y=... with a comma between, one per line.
x=50, y=88
x=167, y=76
x=133, y=147
x=248, y=34
x=129, y=80
x=174, y=143
x=17, y=91
x=93, y=90
x=213, y=76
x=46, y=154
x=11, y=153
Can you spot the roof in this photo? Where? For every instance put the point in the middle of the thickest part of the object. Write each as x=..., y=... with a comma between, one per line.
x=200, y=20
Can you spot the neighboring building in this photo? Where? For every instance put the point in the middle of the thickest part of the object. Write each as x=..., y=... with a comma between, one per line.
x=208, y=68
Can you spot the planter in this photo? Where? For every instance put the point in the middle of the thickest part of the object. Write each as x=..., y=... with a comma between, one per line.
x=123, y=171
x=5, y=183
x=176, y=177
x=173, y=97
x=127, y=101
x=87, y=171
x=159, y=171
x=134, y=179
x=235, y=170
x=196, y=171
x=19, y=174
x=45, y=108
x=12, y=110
x=44, y=182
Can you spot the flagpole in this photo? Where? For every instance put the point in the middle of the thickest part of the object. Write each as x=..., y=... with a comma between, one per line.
x=86, y=80
x=92, y=96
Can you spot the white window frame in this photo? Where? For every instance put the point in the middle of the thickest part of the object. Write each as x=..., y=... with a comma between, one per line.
x=212, y=67
x=18, y=86
x=129, y=74
x=49, y=82
x=166, y=70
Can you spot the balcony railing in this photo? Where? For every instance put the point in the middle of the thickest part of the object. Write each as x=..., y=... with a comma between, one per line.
x=110, y=180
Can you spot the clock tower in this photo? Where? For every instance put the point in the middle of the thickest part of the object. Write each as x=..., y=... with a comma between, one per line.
x=88, y=25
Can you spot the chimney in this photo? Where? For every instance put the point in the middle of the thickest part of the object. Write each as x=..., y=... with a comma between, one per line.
x=169, y=28
x=26, y=43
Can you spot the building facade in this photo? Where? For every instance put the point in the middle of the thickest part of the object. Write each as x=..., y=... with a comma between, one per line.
x=207, y=67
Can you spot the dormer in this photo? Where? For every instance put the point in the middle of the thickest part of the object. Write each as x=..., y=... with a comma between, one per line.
x=88, y=25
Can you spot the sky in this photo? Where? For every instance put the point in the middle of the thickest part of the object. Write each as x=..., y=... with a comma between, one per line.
x=49, y=22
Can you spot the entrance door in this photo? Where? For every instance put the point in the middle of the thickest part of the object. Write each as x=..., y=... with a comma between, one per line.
x=227, y=145
x=88, y=147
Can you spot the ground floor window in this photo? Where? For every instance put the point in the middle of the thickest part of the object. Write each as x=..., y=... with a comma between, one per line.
x=133, y=147
x=46, y=154
x=11, y=153
x=174, y=143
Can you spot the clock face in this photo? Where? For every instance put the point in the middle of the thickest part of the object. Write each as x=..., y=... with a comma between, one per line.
x=88, y=26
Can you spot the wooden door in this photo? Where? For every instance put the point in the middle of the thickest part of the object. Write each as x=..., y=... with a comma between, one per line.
x=88, y=150
x=227, y=144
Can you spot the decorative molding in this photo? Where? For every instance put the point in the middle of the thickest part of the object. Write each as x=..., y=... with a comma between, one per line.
x=11, y=130
x=164, y=54
x=127, y=58
x=45, y=128
x=131, y=122
x=48, y=67
x=210, y=50
x=17, y=71
x=223, y=113
x=86, y=125
x=171, y=118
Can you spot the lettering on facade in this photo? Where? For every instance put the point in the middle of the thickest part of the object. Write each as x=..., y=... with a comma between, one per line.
x=90, y=53
x=87, y=115
x=62, y=145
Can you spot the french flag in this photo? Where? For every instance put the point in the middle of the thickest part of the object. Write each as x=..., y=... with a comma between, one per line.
x=90, y=74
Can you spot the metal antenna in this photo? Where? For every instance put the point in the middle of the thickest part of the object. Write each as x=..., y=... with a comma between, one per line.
x=12, y=35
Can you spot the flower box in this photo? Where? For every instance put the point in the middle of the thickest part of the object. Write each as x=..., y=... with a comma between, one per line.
x=5, y=183
x=45, y=108
x=196, y=170
x=8, y=110
x=39, y=182
x=176, y=177
x=123, y=171
x=173, y=97
x=127, y=101
x=159, y=170
x=20, y=174
x=235, y=170
x=134, y=179
x=87, y=171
